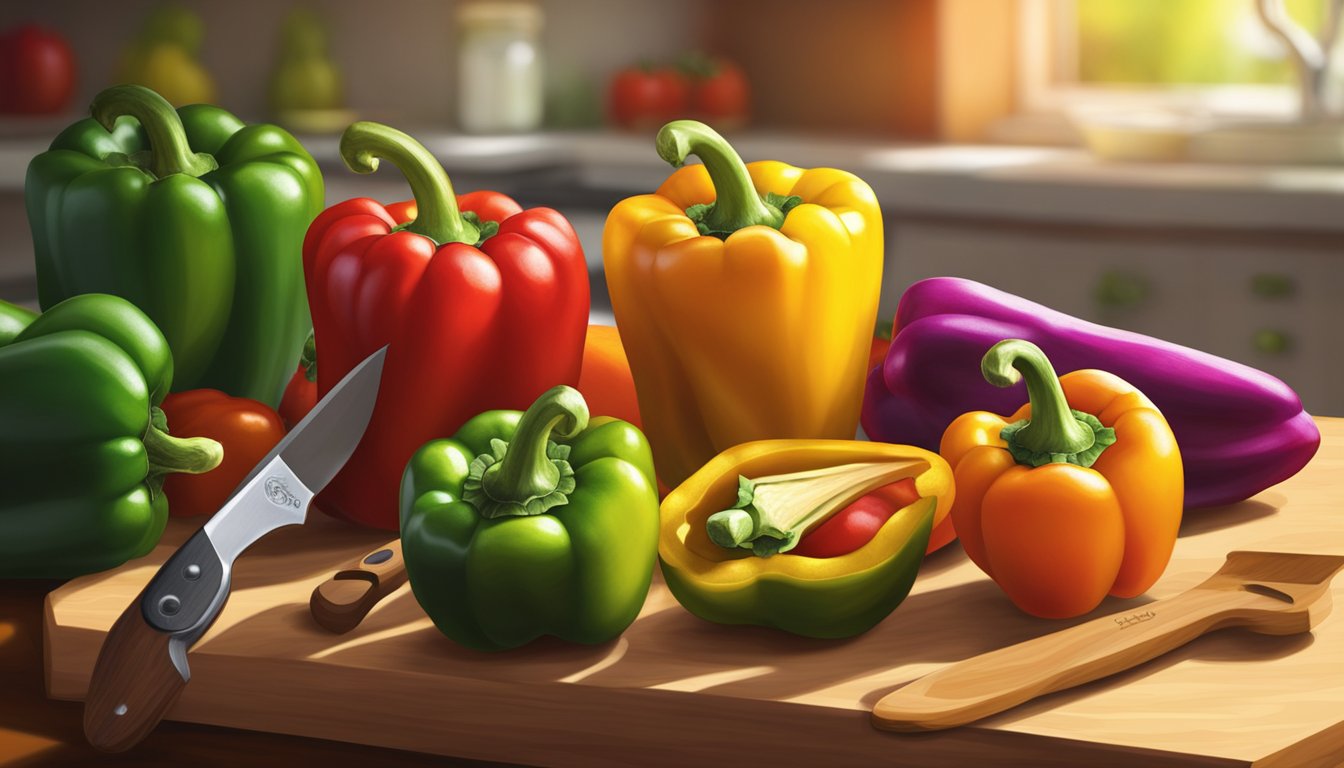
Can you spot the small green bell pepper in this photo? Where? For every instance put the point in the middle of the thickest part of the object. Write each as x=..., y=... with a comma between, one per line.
x=530, y=524
x=83, y=445
x=196, y=218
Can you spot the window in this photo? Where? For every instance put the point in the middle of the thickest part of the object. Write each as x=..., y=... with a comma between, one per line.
x=1192, y=57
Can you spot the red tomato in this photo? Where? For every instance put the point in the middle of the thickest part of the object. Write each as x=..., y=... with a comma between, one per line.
x=644, y=98
x=722, y=95
x=299, y=398
x=878, y=351
x=858, y=523
x=301, y=391
x=37, y=71
x=247, y=429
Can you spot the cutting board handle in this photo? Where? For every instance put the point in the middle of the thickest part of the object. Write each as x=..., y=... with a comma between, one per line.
x=135, y=681
x=341, y=602
x=993, y=682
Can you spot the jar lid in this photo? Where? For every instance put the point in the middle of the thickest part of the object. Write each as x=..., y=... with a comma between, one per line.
x=521, y=15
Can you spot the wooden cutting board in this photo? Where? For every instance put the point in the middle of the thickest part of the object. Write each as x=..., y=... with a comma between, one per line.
x=677, y=691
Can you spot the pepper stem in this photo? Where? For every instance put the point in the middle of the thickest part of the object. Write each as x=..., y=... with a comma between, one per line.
x=736, y=204
x=168, y=454
x=308, y=357
x=437, y=215
x=530, y=473
x=1054, y=433
x=774, y=513
x=169, y=152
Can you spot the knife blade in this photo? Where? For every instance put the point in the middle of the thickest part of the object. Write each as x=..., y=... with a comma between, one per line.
x=142, y=666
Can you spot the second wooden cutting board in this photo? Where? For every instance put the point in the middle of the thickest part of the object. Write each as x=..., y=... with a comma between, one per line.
x=675, y=690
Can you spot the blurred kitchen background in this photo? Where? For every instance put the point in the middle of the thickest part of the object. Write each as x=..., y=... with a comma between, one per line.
x=1175, y=167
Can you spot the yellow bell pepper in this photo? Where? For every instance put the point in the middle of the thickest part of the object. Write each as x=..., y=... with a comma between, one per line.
x=752, y=576
x=746, y=296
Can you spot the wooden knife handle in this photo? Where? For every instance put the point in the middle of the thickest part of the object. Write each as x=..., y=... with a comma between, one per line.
x=135, y=681
x=993, y=682
x=341, y=602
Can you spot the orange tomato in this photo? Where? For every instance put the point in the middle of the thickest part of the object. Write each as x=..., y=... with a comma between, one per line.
x=247, y=429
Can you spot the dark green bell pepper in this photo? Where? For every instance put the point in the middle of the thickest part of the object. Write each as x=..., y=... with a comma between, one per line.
x=530, y=524
x=196, y=218
x=83, y=445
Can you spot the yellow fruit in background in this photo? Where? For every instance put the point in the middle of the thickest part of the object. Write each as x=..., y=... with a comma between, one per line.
x=168, y=69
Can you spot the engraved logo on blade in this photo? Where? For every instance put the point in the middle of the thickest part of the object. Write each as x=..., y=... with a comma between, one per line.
x=279, y=494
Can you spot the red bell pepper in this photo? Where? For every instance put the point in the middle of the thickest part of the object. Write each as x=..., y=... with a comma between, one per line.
x=482, y=306
x=247, y=429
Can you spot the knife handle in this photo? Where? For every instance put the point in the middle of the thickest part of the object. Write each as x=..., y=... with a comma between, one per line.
x=341, y=602
x=134, y=683
x=992, y=682
x=142, y=667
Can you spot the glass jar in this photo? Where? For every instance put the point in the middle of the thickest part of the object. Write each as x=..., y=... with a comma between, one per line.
x=499, y=72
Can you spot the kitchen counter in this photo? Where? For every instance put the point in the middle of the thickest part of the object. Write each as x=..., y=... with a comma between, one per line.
x=663, y=692
x=1003, y=181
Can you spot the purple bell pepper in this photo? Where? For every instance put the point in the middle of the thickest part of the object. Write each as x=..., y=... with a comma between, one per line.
x=1240, y=430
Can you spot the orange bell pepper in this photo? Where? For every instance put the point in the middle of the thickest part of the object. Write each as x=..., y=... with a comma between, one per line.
x=605, y=379
x=1076, y=496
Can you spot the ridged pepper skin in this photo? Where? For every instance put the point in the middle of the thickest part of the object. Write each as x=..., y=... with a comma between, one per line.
x=482, y=305
x=496, y=570
x=1240, y=430
x=195, y=217
x=760, y=333
x=83, y=448
x=1092, y=507
x=830, y=597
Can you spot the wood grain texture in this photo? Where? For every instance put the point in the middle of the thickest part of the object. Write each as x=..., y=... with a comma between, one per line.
x=1253, y=590
x=674, y=689
x=133, y=684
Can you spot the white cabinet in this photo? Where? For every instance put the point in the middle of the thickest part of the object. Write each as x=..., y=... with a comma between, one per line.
x=1274, y=301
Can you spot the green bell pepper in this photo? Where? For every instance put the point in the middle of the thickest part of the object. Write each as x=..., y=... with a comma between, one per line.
x=83, y=445
x=196, y=218
x=13, y=319
x=509, y=534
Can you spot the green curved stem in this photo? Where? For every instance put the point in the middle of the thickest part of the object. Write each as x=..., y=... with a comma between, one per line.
x=529, y=468
x=438, y=216
x=1053, y=429
x=736, y=204
x=308, y=358
x=168, y=454
x=169, y=151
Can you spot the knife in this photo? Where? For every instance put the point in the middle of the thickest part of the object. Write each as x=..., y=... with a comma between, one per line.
x=341, y=602
x=142, y=667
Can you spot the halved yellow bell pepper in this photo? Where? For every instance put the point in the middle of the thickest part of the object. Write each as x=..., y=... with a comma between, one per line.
x=746, y=296
x=826, y=597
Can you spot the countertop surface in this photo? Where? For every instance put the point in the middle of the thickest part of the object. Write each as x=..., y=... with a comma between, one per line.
x=1008, y=182
x=1233, y=698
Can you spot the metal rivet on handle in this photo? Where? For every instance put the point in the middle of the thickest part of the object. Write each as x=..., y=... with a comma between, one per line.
x=381, y=556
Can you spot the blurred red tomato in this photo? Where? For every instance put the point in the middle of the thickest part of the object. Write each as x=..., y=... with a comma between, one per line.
x=720, y=94
x=37, y=71
x=647, y=97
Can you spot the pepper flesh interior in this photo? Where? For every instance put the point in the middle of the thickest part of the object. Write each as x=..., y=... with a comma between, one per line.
x=773, y=513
